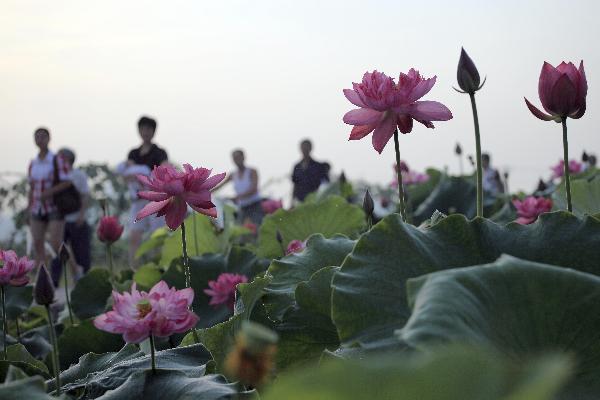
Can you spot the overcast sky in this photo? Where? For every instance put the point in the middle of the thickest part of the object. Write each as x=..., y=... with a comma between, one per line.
x=262, y=75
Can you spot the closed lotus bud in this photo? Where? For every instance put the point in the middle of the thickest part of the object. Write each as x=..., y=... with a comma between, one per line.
x=471, y=160
x=467, y=74
x=458, y=149
x=44, y=289
x=541, y=186
x=585, y=157
x=343, y=179
x=63, y=253
x=251, y=361
x=278, y=237
x=368, y=205
x=109, y=229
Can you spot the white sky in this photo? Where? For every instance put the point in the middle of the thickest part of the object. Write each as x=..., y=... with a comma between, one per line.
x=261, y=75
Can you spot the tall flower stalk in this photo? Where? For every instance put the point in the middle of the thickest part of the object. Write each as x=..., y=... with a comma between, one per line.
x=562, y=92
x=386, y=107
x=469, y=82
x=44, y=295
x=4, y=322
x=64, y=258
x=109, y=231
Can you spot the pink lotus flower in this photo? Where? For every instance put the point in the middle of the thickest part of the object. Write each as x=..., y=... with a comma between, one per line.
x=14, y=270
x=171, y=190
x=408, y=177
x=161, y=312
x=385, y=105
x=403, y=166
x=562, y=91
x=295, y=246
x=558, y=170
x=222, y=291
x=530, y=208
x=109, y=229
x=269, y=206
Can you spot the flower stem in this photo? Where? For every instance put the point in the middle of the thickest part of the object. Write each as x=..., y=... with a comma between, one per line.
x=188, y=275
x=64, y=266
x=478, y=155
x=4, y=322
x=109, y=259
x=152, y=355
x=18, y=329
x=55, y=363
x=399, y=173
x=566, y=158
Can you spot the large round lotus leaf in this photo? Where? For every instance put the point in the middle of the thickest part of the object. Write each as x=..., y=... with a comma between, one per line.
x=369, y=297
x=208, y=267
x=174, y=385
x=518, y=307
x=453, y=194
x=417, y=193
x=291, y=270
x=331, y=216
x=18, y=300
x=585, y=196
x=97, y=373
x=25, y=389
x=90, y=294
x=455, y=373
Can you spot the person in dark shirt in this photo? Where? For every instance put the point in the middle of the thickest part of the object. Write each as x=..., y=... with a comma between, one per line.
x=308, y=174
x=141, y=160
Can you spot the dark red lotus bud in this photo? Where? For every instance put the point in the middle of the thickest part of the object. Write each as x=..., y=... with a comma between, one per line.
x=44, y=289
x=458, y=149
x=109, y=229
x=368, y=204
x=467, y=74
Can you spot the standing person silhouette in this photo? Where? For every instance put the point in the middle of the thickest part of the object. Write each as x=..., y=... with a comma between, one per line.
x=141, y=161
x=45, y=221
x=308, y=174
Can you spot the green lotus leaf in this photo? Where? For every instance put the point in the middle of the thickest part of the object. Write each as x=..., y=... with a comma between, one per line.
x=585, y=196
x=331, y=216
x=25, y=389
x=517, y=307
x=18, y=300
x=90, y=294
x=369, y=295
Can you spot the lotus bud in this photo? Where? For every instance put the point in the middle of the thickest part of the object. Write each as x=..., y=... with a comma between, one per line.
x=458, y=149
x=44, y=289
x=585, y=157
x=368, y=205
x=343, y=179
x=467, y=74
x=63, y=254
x=541, y=187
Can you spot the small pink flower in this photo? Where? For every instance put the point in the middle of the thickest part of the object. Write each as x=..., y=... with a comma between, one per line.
x=530, y=208
x=409, y=177
x=222, y=291
x=269, y=206
x=562, y=91
x=14, y=270
x=170, y=191
x=385, y=106
x=295, y=246
x=109, y=229
x=161, y=312
x=558, y=170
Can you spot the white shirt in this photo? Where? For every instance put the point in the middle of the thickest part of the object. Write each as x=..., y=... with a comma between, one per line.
x=79, y=180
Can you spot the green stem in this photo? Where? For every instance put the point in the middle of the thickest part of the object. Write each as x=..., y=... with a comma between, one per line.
x=478, y=155
x=18, y=329
x=64, y=265
x=4, y=321
x=55, y=363
x=399, y=174
x=109, y=259
x=152, y=355
x=566, y=158
x=188, y=275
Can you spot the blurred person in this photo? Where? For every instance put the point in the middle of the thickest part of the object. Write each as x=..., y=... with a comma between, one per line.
x=141, y=161
x=247, y=195
x=77, y=230
x=308, y=174
x=592, y=161
x=48, y=174
x=492, y=182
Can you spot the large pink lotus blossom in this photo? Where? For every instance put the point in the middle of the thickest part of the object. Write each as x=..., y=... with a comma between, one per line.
x=558, y=170
x=170, y=191
x=269, y=206
x=14, y=270
x=222, y=291
x=295, y=246
x=109, y=229
x=161, y=312
x=385, y=105
x=530, y=208
x=562, y=91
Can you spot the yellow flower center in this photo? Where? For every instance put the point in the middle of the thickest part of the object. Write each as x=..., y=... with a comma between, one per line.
x=144, y=307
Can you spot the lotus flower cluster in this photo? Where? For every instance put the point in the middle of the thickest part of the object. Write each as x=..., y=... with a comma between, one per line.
x=562, y=91
x=222, y=291
x=14, y=270
x=269, y=206
x=109, y=229
x=161, y=312
x=558, y=170
x=409, y=177
x=295, y=246
x=170, y=191
x=530, y=208
x=385, y=105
